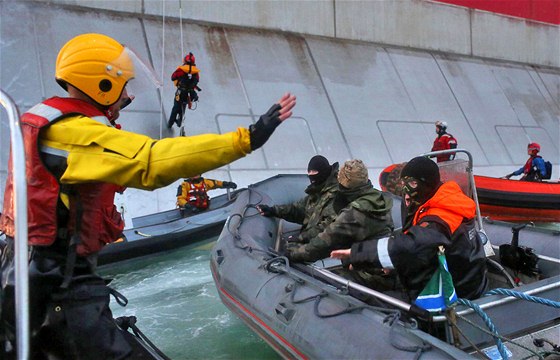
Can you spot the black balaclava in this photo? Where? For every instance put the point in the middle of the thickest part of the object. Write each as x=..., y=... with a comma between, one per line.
x=321, y=165
x=426, y=174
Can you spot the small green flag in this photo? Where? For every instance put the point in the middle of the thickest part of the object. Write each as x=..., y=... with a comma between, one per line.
x=439, y=292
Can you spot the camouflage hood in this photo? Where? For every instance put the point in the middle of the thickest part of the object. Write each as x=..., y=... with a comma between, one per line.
x=371, y=201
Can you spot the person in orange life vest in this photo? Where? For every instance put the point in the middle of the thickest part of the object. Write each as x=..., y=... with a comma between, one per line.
x=75, y=162
x=433, y=214
x=192, y=194
x=186, y=78
x=534, y=169
x=444, y=141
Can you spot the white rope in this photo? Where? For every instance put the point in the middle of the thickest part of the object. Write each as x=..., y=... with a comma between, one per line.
x=181, y=25
x=162, y=120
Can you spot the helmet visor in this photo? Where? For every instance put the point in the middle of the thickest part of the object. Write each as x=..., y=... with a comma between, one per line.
x=142, y=82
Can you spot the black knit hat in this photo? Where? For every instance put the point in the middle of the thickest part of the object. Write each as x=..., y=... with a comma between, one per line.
x=320, y=164
x=423, y=169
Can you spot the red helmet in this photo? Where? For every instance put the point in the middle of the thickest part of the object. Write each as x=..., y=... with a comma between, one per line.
x=534, y=147
x=189, y=59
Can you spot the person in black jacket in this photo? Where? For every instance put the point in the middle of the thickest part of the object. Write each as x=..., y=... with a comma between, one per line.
x=434, y=214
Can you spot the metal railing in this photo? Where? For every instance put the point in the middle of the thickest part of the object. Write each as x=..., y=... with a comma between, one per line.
x=487, y=245
x=20, y=239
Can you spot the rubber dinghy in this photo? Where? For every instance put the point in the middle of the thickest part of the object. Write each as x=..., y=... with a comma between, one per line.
x=308, y=311
x=168, y=230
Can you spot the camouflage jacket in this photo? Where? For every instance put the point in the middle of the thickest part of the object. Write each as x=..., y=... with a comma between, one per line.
x=314, y=212
x=367, y=215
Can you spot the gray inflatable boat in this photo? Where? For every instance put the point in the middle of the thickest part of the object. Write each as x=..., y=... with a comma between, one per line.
x=308, y=311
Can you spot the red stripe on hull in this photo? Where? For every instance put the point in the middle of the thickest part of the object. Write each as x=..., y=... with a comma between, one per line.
x=272, y=338
x=505, y=185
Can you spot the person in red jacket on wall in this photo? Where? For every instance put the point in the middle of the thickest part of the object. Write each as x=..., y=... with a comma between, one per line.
x=186, y=78
x=444, y=141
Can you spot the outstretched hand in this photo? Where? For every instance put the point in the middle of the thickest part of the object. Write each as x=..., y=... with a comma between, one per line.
x=267, y=123
x=342, y=254
x=287, y=103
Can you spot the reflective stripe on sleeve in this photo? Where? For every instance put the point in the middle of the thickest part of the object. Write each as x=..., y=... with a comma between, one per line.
x=54, y=151
x=383, y=253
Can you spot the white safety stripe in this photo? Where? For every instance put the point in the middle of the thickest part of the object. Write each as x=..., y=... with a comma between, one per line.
x=53, y=151
x=383, y=253
x=45, y=111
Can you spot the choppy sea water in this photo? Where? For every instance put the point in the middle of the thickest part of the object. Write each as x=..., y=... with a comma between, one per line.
x=178, y=307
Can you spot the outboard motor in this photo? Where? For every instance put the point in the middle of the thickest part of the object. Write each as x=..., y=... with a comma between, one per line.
x=519, y=258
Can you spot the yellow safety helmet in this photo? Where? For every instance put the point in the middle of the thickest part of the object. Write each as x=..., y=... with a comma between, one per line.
x=97, y=65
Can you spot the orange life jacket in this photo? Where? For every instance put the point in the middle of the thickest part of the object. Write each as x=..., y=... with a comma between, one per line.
x=449, y=204
x=100, y=222
x=196, y=194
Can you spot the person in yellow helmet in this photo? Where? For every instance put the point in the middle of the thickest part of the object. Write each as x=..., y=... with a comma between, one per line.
x=76, y=159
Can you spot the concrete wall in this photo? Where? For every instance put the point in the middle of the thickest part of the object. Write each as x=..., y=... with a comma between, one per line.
x=420, y=24
x=355, y=99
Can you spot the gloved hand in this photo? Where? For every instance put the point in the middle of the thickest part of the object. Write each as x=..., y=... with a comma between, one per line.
x=262, y=129
x=295, y=253
x=508, y=176
x=229, y=185
x=295, y=239
x=266, y=210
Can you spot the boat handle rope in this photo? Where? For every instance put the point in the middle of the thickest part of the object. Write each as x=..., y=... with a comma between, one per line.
x=392, y=319
x=274, y=265
x=392, y=315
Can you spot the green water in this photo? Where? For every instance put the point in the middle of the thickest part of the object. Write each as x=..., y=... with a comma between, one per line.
x=178, y=308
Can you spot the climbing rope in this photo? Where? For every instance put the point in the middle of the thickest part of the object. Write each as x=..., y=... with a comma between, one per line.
x=489, y=324
x=181, y=25
x=534, y=353
x=162, y=120
x=523, y=296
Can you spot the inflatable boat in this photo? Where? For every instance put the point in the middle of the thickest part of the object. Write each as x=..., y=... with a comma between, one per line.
x=308, y=311
x=172, y=229
x=502, y=199
x=514, y=200
x=168, y=230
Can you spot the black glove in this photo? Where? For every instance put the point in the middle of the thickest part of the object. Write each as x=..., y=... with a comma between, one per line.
x=261, y=131
x=229, y=185
x=508, y=176
x=266, y=210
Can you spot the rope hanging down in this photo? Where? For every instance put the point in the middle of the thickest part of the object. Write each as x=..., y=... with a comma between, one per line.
x=490, y=325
